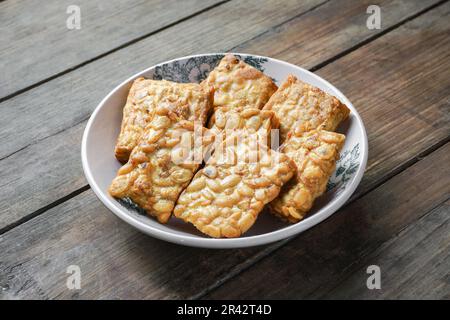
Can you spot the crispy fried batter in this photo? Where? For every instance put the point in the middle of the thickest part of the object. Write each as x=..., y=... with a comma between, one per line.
x=226, y=196
x=305, y=107
x=189, y=101
x=226, y=121
x=315, y=154
x=237, y=84
x=162, y=164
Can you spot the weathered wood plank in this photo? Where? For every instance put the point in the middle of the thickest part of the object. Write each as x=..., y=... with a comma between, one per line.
x=81, y=226
x=418, y=105
x=413, y=265
x=68, y=100
x=312, y=263
x=36, y=43
x=64, y=104
x=75, y=90
x=79, y=91
x=117, y=261
x=317, y=41
x=393, y=66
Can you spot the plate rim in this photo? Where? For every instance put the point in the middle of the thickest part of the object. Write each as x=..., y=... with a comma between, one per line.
x=227, y=243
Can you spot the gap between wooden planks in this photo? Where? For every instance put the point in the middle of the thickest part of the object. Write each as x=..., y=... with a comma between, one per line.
x=55, y=158
x=311, y=264
x=121, y=262
x=382, y=119
x=118, y=262
x=414, y=264
x=64, y=104
x=38, y=46
x=70, y=99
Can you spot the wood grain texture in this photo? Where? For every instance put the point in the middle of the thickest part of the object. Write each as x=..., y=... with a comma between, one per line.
x=70, y=99
x=51, y=117
x=67, y=102
x=120, y=262
x=405, y=72
x=313, y=38
x=312, y=264
x=414, y=265
x=80, y=89
x=36, y=43
x=215, y=30
x=117, y=261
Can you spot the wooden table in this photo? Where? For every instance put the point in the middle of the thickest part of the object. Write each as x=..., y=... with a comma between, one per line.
x=52, y=78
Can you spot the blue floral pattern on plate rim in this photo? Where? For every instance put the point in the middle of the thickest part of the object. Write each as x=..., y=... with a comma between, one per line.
x=100, y=167
x=196, y=69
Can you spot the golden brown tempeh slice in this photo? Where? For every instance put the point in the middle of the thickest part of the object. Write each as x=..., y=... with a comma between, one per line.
x=226, y=196
x=162, y=164
x=226, y=121
x=189, y=101
x=237, y=84
x=315, y=154
x=305, y=107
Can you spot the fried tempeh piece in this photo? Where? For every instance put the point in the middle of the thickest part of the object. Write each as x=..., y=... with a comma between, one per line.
x=237, y=84
x=189, y=101
x=305, y=107
x=226, y=121
x=226, y=196
x=162, y=164
x=315, y=154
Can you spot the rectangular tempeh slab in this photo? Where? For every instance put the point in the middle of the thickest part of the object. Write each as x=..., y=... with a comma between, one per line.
x=237, y=84
x=189, y=101
x=162, y=164
x=226, y=196
x=227, y=121
x=305, y=107
x=315, y=154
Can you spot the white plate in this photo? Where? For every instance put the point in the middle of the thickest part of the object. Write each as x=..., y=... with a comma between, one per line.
x=100, y=165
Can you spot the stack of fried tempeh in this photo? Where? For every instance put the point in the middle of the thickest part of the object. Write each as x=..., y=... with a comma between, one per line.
x=243, y=174
x=309, y=116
